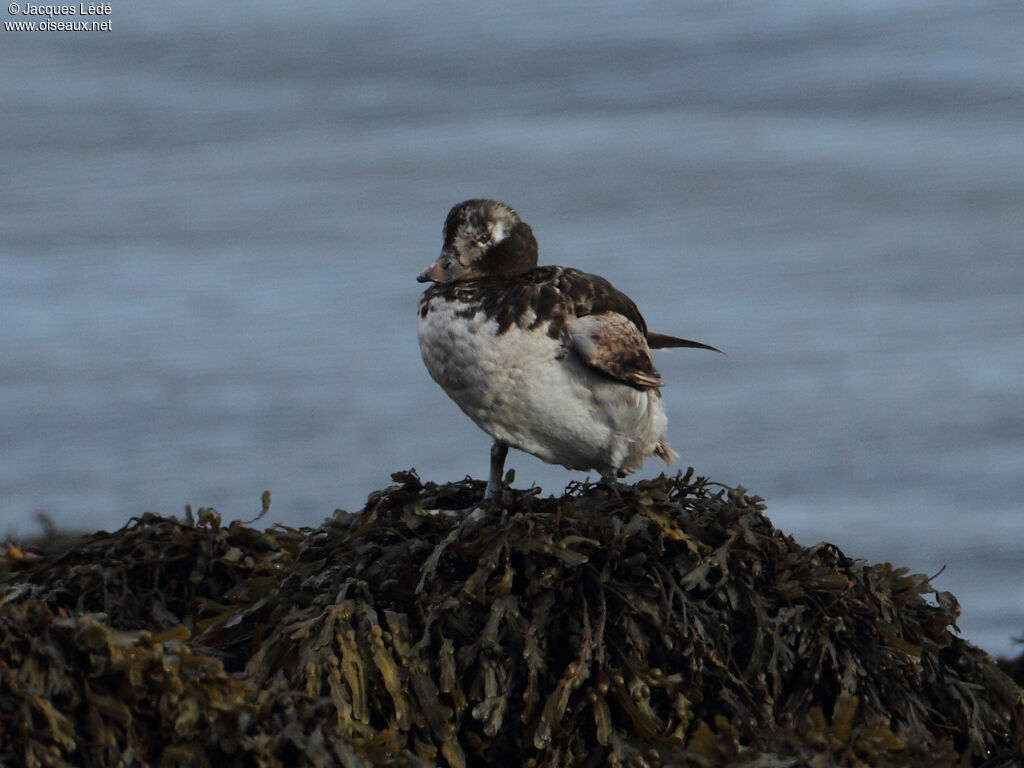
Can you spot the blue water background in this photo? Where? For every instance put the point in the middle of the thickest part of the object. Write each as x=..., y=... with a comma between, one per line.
x=211, y=218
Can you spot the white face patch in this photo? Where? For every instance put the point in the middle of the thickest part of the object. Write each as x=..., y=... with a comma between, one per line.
x=498, y=230
x=470, y=247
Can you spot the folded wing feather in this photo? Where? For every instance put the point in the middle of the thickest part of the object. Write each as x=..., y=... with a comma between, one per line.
x=612, y=343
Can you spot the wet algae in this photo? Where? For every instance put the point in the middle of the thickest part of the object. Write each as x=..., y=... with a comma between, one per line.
x=666, y=623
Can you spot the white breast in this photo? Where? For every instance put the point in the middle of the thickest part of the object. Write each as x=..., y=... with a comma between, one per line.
x=526, y=389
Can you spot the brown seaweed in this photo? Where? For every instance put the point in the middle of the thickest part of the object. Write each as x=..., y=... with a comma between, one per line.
x=664, y=623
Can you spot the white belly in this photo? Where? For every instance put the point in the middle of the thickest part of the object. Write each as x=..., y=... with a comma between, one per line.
x=524, y=388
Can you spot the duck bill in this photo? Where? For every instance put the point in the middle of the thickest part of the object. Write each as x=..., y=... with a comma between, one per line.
x=444, y=270
x=432, y=274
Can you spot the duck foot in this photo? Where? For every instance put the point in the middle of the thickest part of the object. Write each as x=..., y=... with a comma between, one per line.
x=611, y=485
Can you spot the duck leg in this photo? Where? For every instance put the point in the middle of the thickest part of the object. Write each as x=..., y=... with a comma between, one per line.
x=498, y=453
x=611, y=483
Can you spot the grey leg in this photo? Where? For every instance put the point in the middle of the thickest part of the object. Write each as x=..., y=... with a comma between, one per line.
x=498, y=453
x=611, y=482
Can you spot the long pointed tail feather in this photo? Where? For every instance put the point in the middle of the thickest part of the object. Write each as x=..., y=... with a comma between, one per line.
x=664, y=341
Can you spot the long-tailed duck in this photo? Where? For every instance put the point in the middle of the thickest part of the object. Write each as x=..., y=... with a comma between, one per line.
x=550, y=360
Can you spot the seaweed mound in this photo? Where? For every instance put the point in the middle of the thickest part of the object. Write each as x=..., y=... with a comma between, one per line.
x=665, y=623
